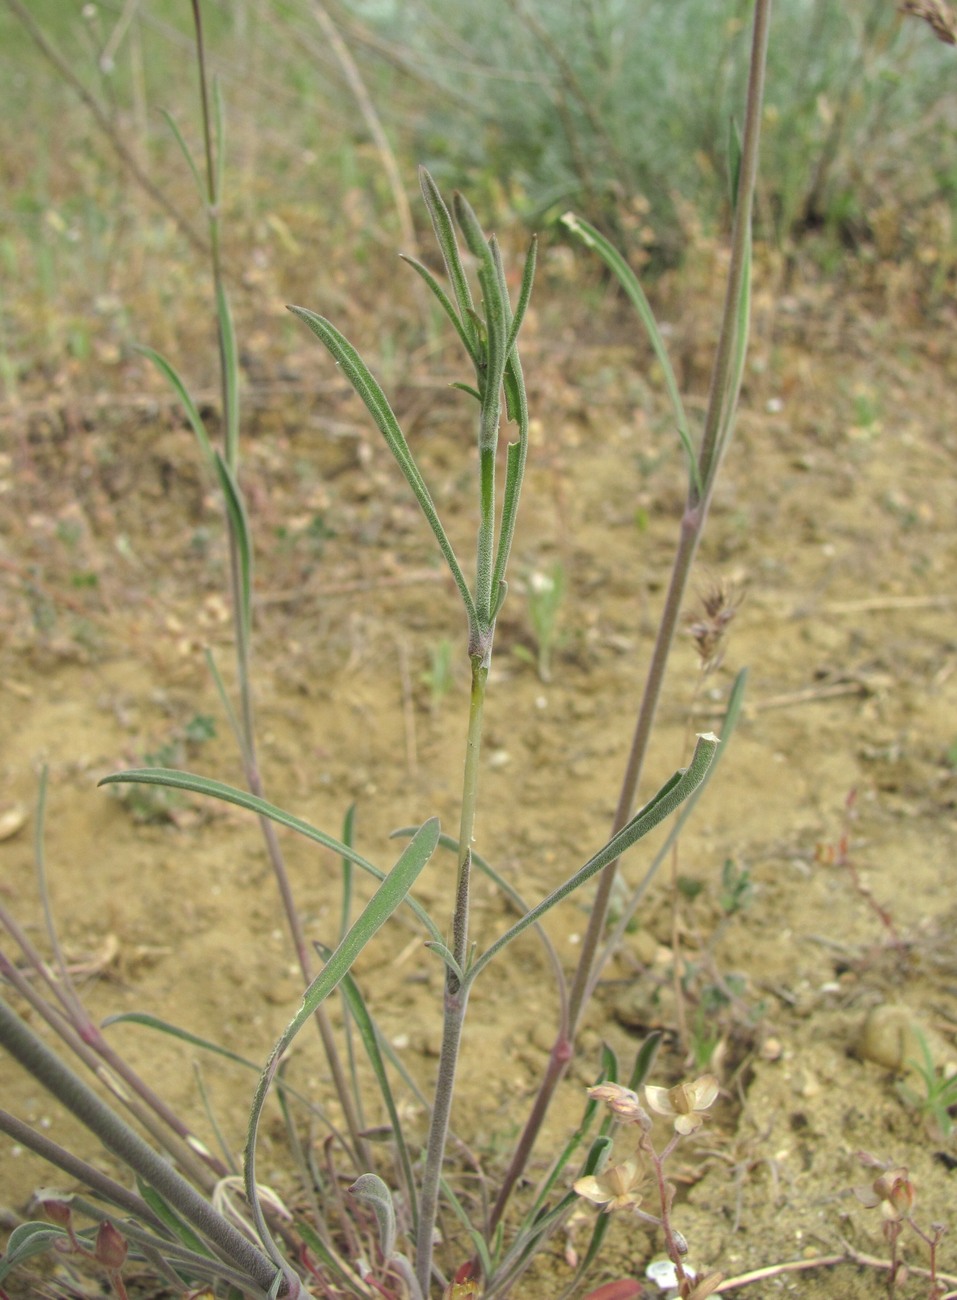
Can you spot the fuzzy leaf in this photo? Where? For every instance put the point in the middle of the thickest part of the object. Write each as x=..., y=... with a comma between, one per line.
x=371, y=1189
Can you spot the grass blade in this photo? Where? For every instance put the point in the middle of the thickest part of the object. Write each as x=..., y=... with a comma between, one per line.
x=626, y=277
x=189, y=406
x=669, y=797
x=445, y=235
x=376, y=403
x=177, y=780
x=390, y=894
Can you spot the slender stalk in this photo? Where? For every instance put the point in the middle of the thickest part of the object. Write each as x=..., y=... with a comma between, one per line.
x=473, y=749
x=66, y=72
x=246, y=734
x=689, y=536
x=456, y=993
x=99, y=1183
x=122, y=1081
x=353, y=76
x=718, y=426
x=715, y=436
x=452, y=1025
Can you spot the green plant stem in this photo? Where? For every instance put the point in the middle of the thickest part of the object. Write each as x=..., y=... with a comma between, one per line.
x=473, y=750
x=716, y=433
x=238, y=590
x=123, y=1142
x=213, y=166
x=456, y=993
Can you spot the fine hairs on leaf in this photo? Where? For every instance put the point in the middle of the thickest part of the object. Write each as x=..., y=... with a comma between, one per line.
x=380, y=1167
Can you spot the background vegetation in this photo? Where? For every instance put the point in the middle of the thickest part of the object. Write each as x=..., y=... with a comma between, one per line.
x=535, y=107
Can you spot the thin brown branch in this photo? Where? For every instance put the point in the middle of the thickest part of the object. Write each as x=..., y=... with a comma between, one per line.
x=102, y=119
x=353, y=76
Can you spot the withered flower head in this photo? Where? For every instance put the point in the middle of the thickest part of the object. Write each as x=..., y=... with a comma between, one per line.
x=893, y=1191
x=686, y=1103
x=719, y=604
x=622, y=1102
x=941, y=17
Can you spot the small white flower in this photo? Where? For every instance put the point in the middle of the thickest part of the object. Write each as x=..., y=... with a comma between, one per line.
x=618, y=1188
x=685, y=1104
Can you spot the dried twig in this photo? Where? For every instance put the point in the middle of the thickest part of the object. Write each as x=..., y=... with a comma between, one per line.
x=53, y=55
x=848, y=1256
x=938, y=14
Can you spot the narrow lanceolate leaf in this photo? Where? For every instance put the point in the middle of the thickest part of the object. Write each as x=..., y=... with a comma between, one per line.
x=449, y=960
x=447, y=306
x=626, y=277
x=376, y=403
x=390, y=894
x=186, y=152
x=371, y=1189
x=525, y=293
x=644, y=1060
x=177, y=1225
x=448, y=244
x=219, y=142
x=230, y=364
x=671, y=795
x=467, y=388
x=501, y=284
x=164, y=1027
x=470, y=227
x=176, y=780
x=28, y=1240
x=514, y=477
x=189, y=406
x=367, y=387
x=735, y=155
x=239, y=525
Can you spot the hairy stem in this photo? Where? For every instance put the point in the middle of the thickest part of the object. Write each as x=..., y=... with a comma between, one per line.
x=456, y=994
x=99, y=1183
x=123, y=1142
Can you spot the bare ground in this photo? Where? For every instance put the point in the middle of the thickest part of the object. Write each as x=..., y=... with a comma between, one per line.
x=834, y=524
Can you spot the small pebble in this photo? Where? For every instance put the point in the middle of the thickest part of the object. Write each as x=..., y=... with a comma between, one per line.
x=890, y=1037
x=12, y=820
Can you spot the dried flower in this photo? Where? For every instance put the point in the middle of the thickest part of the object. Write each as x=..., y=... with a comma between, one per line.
x=940, y=16
x=111, y=1247
x=618, y=1188
x=56, y=1209
x=622, y=1102
x=719, y=604
x=685, y=1103
x=893, y=1191
x=464, y=1285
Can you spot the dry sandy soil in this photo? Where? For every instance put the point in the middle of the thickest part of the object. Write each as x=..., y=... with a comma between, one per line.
x=834, y=803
